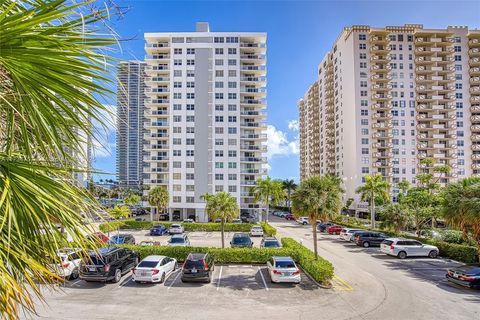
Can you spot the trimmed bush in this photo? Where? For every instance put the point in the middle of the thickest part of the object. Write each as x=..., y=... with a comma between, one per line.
x=321, y=270
x=145, y=225
x=268, y=229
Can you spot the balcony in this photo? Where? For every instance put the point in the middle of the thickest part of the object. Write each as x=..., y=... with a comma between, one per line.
x=159, y=158
x=253, y=124
x=253, y=159
x=475, y=52
x=155, y=80
x=253, y=136
x=381, y=106
x=381, y=77
x=253, y=79
x=247, y=182
x=252, y=68
x=159, y=135
x=253, y=56
x=157, y=124
x=380, y=68
x=156, y=113
x=379, y=49
x=155, y=57
x=474, y=62
x=381, y=96
x=254, y=148
x=156, y=101
x=475, y=80
x=253, y=101
x=157, y=47
x=475, y=71
x=253, y=171
x=253, y=90
x=475, y=90
x=474, y=42
x=252, y=45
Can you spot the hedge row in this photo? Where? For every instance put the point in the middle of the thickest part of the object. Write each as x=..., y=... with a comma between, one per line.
x=459, y=252
x=145, y=225
x=208, y=226
x=321, y=270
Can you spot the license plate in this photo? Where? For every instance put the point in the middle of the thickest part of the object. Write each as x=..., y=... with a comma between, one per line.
x=143, y=274
x=92, y=269
x=287, y=274
x=194, y=270
x=455, y=275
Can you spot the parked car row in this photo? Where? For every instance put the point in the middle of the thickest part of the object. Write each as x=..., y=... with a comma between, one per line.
x=283, y=214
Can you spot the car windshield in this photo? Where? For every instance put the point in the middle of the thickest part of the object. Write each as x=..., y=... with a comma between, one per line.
x=147, y=264
x=387, y=242
x=177, y=240
x=271, y=244
x=189, y=264
x=256, y=228
x=241, y=240
x=96, y=260
x=175, y=226
x=117, y=239
x=158, y=227
x=284, y=264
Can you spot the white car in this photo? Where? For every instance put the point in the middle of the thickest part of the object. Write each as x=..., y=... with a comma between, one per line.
x=154, y=269
x=188, y=221
x=179, y=240
x=176, y=229
x=303, y=220
x=70, y=262
x=403, y=248
x=347, y=233
x=283, y=269
x=256, y=231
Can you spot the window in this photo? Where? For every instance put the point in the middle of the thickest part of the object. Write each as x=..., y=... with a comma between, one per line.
x=190, y=153
x=190, y=62
x=232, y=107
x=363, y=56
x=177, y=118
x=232, y=85
x=190, y=199
x=232, y=62
x=190, y=84
x=190, y=118
x=219, y=96
x=177, y=62
x=190, y=73
x=219, y=165
x=232, y=176
x=364, y=131
x=190, y=107
x=365, y=170
x=190, y=95
x=232, y=153
x=190, y=51
x=177, y=51
x=190, y=187
x=177, y=165
x=177, y=73
x=364, y=122
x=177, y=141
x=177, y=84
x=232, y=119
x=362, y=46
x=362, y=36
x=218, y=153
x=177, y=107
x=364, y=140
x=177, y=153
x=177, y=199
x=190, y=176
x=190, y=164
x=218, y=176
x=219, y=142
x=218, y=84
x=232, y=73
x=232, y=96
x=232, y=165
x=458, y=48
x=177, y=176
x=363, y=64
x=177, y=187
x=232, y=50
x=177, y=95
x=232, y=188
x=218, y=50
x=219, y=39
x=232, y=130
x=219, y=130
x=177, y=129
x=458, y=58
x=218, y=118
x=364, y=150
x=190, y=141
x=219, y=107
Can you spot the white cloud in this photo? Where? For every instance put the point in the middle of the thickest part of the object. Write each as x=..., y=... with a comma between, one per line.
x=293, y=125
x=278, y=143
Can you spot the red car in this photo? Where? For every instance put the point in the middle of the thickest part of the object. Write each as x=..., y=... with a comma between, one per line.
x=289, y=217
x=334, y=229
x=99, y=237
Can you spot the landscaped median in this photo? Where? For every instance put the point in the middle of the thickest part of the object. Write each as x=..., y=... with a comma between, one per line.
x=458, y=252
x=320, y=270
x=208, y=226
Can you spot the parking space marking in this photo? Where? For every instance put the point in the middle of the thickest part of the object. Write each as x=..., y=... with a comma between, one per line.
x=75, y=283
x=219, y=277
x=127, y=281
x=341, y=285
x=263, y=278
x=175, y=279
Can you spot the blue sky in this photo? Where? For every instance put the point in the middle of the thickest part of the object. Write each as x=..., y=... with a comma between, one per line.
x=299, y=33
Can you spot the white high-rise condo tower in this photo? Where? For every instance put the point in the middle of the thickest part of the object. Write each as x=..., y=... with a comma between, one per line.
x=386, y=98
x=205, y=121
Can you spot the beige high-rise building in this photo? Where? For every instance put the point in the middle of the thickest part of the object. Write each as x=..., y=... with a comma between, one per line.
x=205, y=120
x=386, y=98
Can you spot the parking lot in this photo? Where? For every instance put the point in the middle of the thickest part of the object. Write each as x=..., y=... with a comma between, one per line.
x=197, y=238
x=245, y=289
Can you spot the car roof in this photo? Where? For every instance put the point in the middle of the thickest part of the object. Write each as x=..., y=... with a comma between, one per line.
x=178, y=235
x=257, y=227
x=158, y=226
x=153, y=258
x=277, y=258
x=196, y=255
x=105, y=251
x=240, y=234
x=176, y=225
x=123, y=235
x=270, y=239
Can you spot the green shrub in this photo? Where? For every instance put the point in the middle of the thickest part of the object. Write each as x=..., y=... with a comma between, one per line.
x=321, y=270
x=207, y=226
x=268, y=229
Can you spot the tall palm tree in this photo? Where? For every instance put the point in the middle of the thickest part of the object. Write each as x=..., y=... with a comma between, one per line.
x=221, y=206
x=52, y=78
x=318, y=198
x=158, y=197
x=268, y=191
x=375, y=188
x=289, y=186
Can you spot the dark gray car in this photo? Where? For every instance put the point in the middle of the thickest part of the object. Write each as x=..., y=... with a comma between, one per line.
x=241, y=240
x=198, y=267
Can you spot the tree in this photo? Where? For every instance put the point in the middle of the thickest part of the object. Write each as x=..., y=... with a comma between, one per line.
x=456, y=204
x=53, y=75
x=289, y=186
x=132, y=199
x=158, y=197
x=420, y=205
x=375, y=189
x=394, y=216
x=347, y=205
x=119, y=212
x=268, y=191
x=318, y=198
x=221, y=206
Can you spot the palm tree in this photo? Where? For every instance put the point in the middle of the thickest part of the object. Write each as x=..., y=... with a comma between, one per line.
x=456, y=204
x=221, y=206
x=374, y=189
x=132, y=199
x=268, y=191
x=318, y=198
x=158, y=197
x=52, y=81
x=289, y=186
x=421, y=206
x=394, y=216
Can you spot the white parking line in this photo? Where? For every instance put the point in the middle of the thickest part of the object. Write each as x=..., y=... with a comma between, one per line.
x=76, y=282
x=171, y=284
x=219, y=277
x=263, y=278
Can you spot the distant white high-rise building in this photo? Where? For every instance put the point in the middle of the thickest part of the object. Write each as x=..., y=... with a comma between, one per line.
x=205, y=125
x=386, y=98
x=130, y=123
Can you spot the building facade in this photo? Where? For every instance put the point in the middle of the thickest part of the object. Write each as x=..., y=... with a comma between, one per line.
x=130, y=123
x=390, y=97
x=205, y=121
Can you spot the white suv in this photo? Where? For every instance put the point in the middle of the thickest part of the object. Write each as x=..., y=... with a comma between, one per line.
x=303, y=220
x=70, y=260
x=403, y=248
x=256, y=231
x=347, y=234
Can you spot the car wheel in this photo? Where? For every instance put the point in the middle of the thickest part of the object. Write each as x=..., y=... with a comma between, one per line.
x=163, y=278
x=402, y=255
x=366, y=244
x=304, y=223
x=118, y=276
x=74, y=275
x=433, y=254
